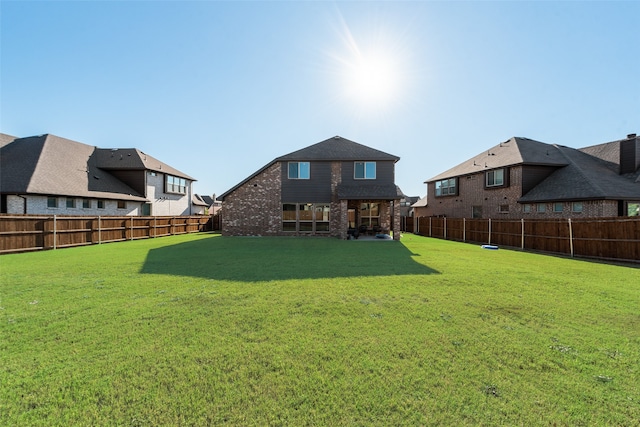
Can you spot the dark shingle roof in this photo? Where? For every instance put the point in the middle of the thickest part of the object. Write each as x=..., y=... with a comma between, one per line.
x=584, y=178
x=369, y=191
x=515, y=151
x=48, y=164
x=338, y=148
x=133, y=159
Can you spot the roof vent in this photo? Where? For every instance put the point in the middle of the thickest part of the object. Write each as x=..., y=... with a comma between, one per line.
x=631, y=136
x=336, y=137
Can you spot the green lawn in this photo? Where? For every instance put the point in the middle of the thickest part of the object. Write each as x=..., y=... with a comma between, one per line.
x=208, y=330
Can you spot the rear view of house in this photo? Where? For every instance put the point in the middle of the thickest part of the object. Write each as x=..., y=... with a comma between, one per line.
x=325, y=189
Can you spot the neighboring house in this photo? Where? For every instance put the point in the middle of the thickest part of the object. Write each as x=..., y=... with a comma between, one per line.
x=205, y=205
x=406, y=203
x=522, y=178
x=324, y=189
x=47, y=174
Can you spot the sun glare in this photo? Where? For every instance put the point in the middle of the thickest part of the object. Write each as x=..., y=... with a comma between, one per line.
x=371, y=68
x=371, y=79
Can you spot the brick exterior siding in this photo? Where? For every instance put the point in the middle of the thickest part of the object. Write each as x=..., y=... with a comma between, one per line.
x=471, y=192
x=254, y=209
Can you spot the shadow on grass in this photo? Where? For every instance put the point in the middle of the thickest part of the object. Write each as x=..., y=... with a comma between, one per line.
x=282, y=258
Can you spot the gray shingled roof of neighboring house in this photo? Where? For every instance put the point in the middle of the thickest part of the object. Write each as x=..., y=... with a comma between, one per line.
x=515, y=151
x=369, y=191
x=198, y=200
x=51, y=165
x=585, y=178
x=336, y=148
x=208, y=200
x=5, y=139
x=133, y=159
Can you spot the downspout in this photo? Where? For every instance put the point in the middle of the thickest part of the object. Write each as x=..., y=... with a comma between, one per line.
x=24, y=205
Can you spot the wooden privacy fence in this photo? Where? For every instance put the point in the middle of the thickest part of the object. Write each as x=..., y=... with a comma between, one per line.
x=604, y=238
x=19, y=233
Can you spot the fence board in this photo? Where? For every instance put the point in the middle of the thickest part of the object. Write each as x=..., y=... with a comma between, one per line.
x=615, y=238
x=19, y=233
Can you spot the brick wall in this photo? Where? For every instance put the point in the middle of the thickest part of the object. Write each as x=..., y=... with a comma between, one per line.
x=471, y=192
x=338, y=217
x=254, y=209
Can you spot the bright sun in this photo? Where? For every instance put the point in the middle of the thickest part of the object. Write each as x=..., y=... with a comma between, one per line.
x=371, y=79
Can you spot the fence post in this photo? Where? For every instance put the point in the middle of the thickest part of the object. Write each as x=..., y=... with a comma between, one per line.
x=155, y=227
x=131, y=229
x=464, y=229
x=55, y=232
x=489, y=230
x=570, y=238
x=522, y=238
x=99, y=230
x=445, y=228
x=430, y=234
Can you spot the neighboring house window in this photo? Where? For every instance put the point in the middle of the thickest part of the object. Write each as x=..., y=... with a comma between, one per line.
x=503, y=209
x=152, y=174
x=558, y=207
x=52, y=202
x=526, y=208
x=305, y=217
x=299, y=170
x=364, y=170
x=447, y=187
x=71, y=203
x=495, y=178
x=122, y=204
x=633, y=209
x=476, y=212
x=100, y=204
x=174, y=184
x=541, y=207
x=370, y=214
x=86, y=204
x=576, y=207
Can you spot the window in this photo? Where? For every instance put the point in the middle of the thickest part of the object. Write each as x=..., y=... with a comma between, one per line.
x=364, y=170
x=495, y=178
x=576, y=207
x=370, y=214
x=633, y=209
x=541, y=207
x=503, y=209
x=71, y=203
x=447, y=187
x=52, y=202
x=558, y=207
x=100, y=204
x=299, y=170
x=174, y=184
x=122, y=204
x=305, y=217
x=289, y=217
x=476, y=212
x=526, y=208
x=86, y=203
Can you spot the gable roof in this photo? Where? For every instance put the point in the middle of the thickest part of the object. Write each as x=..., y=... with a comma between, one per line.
x=515, y=151
x=133, y=159
x=584, y=178
x=332, y=149
x=338, y=148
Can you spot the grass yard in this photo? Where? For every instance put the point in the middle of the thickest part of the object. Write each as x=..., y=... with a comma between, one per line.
x=208, y=330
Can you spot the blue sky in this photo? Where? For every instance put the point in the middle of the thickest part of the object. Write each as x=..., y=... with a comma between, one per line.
x=219, y=89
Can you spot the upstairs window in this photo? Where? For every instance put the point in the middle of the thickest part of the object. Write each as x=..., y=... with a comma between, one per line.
x=174, y=184
x=299, y=170
x=447, y=187
x=52, y=202
x=364, y=170
x=495, y=178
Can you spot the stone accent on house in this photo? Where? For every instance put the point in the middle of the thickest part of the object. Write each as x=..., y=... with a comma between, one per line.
x=338, y=222
x=254, y=209
x=396, y=220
